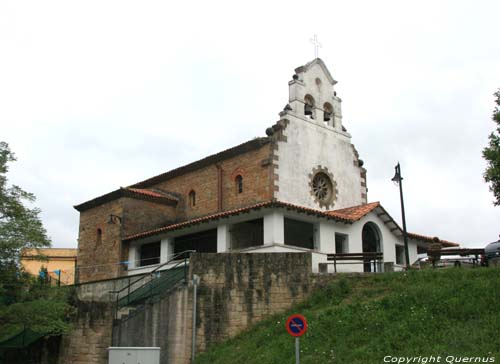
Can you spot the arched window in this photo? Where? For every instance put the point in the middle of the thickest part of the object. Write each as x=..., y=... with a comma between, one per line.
x=239, y=183
x=192, y=198
x=327, y=113
x=99, y=236
x=309, y=106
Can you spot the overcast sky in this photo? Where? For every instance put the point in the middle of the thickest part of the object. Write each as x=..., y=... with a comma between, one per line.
x=100, y=94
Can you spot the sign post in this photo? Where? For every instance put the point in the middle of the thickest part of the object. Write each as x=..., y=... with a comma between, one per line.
x=296, y=325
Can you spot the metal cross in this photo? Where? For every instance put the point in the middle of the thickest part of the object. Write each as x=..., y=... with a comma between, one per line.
x=316, y=44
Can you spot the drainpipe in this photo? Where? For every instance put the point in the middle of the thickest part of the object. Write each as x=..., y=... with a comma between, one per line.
x=196, y=281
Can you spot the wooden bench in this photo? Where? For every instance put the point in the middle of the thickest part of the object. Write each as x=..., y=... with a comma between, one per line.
x=363, y=257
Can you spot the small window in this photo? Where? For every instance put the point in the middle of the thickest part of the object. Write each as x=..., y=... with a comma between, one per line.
x=150, y=254
x=341, y=243
x=192, y=198
x=99, y=237
x=400, y=255
x=239, y=184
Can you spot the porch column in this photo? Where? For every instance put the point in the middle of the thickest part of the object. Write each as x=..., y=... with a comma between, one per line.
x=223, y=238
x=132, y=256
x=274, y=228
x=166, y=250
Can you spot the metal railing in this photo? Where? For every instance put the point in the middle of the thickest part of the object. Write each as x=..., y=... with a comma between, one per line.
x=151, y=284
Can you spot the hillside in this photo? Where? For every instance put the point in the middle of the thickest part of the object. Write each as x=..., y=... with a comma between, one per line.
x=453, y=312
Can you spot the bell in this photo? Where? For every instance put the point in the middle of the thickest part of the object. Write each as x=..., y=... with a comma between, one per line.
x=308, y=109
x=327, y=116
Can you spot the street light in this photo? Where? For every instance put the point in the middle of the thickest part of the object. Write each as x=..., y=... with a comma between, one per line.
x=399, y=180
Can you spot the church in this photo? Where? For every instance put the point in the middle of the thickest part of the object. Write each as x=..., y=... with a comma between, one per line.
x=300, y=188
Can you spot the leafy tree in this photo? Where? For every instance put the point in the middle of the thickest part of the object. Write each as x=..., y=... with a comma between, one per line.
x=492, y=154
x=25, y=301
x=20, y=226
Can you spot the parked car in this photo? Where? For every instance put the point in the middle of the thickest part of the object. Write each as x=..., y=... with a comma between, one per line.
x=492, y=250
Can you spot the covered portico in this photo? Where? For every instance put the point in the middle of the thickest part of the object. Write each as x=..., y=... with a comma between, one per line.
x=277, y=227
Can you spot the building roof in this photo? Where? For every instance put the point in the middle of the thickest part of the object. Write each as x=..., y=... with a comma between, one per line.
x=138, y=190
x=137, y=193
x=347, y=215
x=355, y=213
x=205, y=162
x=234, y=212
x=50, y=252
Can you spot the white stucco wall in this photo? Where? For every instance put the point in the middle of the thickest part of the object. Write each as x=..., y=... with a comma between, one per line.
x=310, y=143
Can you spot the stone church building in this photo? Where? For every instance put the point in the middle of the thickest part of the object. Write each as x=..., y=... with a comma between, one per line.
x=301, y=188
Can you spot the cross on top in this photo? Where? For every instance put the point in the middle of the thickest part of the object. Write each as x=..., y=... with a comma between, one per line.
x=316, y=44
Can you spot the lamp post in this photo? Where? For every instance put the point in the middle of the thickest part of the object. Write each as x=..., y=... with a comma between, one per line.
x=399, y=180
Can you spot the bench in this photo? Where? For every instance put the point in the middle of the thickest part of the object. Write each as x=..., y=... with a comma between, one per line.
x=363, y=257
x=435, y=254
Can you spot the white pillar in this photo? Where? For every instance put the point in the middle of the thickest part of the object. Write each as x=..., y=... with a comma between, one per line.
x=132, y=256
x=325, y=242
x=274, y=228
x=166, y=250
x=223, y=239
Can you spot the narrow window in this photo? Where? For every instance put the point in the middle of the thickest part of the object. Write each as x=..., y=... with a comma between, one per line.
x=99, y=237
x=192, y=198
x=400, y=255
x=341, y=243
x=239, y=184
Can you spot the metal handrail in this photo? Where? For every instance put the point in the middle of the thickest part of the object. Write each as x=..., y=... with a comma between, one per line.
x=157, y=268
x=151, y=275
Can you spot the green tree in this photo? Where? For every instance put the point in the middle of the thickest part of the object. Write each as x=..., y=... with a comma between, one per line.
x=492, y=154
x=25, y=301
x=20, y=226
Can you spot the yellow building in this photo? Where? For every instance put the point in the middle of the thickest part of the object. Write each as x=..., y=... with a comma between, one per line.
x=60, y=263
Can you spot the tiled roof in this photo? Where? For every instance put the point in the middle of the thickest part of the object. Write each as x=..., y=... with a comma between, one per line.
x=355, y=213
x=50, y=252
x=435, y=239
x=150, y=193
x=207, y=161
x=138, y=193
x=347, y=215
x=224, y=214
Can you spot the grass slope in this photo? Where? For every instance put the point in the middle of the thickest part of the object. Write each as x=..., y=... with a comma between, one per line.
x=361, y=320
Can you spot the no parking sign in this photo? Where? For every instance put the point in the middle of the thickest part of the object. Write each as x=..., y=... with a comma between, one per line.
x=296, y=325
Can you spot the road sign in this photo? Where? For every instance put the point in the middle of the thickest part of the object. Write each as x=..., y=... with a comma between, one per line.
x=296, y=325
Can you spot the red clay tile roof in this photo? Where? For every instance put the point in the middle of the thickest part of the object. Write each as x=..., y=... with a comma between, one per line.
x=354, y=213
x=435, y=239
x=150, y=193
x=137, y=193
x=238, y=211
x=347, y=215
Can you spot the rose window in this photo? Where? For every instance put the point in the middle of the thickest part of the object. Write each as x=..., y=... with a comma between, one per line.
x=322, y=187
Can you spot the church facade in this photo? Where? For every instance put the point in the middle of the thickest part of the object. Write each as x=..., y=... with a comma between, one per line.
x=301, y=188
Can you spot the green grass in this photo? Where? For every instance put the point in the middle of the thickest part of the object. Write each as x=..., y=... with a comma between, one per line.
x=361, y=320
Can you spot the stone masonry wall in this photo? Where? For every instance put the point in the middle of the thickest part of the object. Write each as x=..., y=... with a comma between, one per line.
x=98, y=259
x=235, y=291
x=255, y=168
x=238, y=290
x=91, y=335
x=140, y=215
